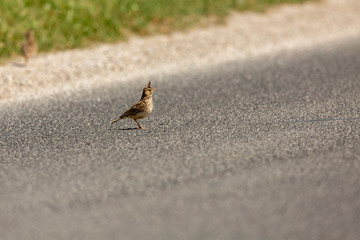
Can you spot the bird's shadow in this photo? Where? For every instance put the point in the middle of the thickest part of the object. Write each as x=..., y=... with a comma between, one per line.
x=125, y=129
x=20, y=65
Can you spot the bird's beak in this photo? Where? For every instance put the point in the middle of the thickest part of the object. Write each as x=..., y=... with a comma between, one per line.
x=155, y=89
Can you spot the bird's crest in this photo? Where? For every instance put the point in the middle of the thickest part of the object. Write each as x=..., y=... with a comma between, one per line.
x=149, y=84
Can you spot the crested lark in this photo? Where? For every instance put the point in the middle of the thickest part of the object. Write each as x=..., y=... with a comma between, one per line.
x=29, y=48
x=142, y=108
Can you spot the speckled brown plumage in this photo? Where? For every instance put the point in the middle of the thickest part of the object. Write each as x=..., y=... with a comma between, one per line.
x=29, y=48
x=142, y=108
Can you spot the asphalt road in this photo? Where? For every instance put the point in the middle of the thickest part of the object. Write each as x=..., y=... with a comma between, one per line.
x=260, y=149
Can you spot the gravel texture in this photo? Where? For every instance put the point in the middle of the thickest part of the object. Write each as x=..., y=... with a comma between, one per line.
x=244, y=36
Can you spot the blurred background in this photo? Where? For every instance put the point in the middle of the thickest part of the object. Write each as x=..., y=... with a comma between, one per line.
x=64, y=24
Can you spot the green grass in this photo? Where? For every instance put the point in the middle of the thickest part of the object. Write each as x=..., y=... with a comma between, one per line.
x=64, y=24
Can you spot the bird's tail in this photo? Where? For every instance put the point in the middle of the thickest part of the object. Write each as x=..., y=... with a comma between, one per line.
x=116, y=120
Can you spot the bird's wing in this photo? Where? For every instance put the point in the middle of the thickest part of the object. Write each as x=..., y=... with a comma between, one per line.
x=134, y=110
x=23, y=49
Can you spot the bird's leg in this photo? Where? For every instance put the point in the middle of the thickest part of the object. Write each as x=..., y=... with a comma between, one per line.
x=139, y=126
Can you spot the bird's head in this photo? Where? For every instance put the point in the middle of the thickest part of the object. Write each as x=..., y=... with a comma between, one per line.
x=30, y=35
x=148, y=90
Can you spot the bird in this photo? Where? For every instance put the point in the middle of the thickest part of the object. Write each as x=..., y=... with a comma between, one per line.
x=29, y=48
x=142, y=108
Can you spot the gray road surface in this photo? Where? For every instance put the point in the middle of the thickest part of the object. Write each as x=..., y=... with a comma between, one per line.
x=265, y=149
